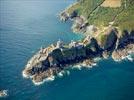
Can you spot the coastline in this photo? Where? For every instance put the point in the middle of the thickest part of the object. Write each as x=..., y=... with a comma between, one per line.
x=39, y=73
x=51, y=61
x=78, y=66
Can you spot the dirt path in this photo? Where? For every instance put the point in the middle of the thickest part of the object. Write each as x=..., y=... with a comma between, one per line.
x=95, y=9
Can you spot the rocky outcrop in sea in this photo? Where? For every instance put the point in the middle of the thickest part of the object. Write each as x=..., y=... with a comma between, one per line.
x=3, y=93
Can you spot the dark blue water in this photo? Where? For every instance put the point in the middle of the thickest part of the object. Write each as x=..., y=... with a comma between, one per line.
x=25, y=26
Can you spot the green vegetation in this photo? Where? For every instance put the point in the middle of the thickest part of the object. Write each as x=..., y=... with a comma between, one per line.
x=75, y=7
x=125, y=20
x=103, y=16
x=85, y=7
x=88, y=6
x=102, y=38
x=122, y=17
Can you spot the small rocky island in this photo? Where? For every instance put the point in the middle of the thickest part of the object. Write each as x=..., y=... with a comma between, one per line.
x=100, y=42
x=3, y=93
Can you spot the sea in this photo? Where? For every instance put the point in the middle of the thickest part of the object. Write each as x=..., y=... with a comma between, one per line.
x=27, y=25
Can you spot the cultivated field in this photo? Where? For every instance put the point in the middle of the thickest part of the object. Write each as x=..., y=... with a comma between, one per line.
x=111, y=3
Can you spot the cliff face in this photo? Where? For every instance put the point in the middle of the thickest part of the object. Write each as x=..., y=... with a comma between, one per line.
x=108, y=40
x=58, y=59
x=125, y=38
x=53, y=59
x=124, y=46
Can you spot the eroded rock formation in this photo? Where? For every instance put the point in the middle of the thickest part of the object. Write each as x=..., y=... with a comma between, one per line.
x=55, y=58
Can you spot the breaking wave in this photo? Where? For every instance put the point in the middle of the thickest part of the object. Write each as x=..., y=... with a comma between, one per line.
x=80, y=66
x=51, y=78
x=62, y=73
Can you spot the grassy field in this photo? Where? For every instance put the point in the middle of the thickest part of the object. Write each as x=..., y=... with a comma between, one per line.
x=125, y=20
x=98, y=15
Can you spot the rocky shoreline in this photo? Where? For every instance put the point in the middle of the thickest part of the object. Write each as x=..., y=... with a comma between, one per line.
x=80, y=24
x=53, y=60
x=50, y=61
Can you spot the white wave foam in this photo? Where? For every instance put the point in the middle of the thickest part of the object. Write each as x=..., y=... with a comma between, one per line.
x=120, y=59
x=117, y=60
x=84, y=65
x=89, y=66
x=60, y=74
x=25, y=75
x=124, y=57
x=97, y=59
x=94, y=64
x=51, y=78
x=130, y=58
x=68, y=72
x=77, y=67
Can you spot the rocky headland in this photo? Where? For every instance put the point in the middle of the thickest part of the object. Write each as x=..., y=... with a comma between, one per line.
x=50, y=61
x=98, y=42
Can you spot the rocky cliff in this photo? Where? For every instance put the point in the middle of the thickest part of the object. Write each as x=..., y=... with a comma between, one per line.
x=52, y=60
